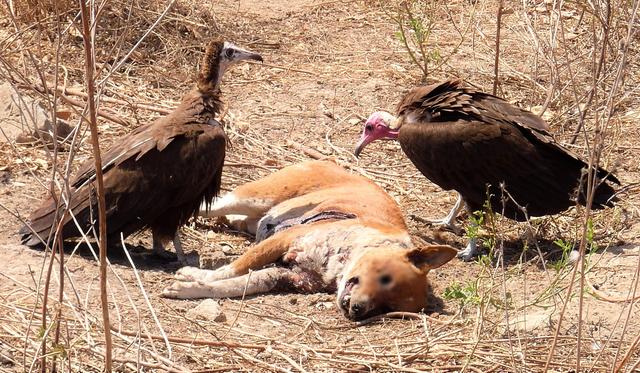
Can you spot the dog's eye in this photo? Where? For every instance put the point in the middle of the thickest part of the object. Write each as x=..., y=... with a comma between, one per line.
x=385, y=280
x=353, y=281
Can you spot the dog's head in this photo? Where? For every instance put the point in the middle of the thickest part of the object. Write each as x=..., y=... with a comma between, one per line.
x=385, y=280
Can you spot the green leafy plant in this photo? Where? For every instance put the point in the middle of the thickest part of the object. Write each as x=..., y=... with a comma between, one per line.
x=567, y=248
x=464, y=294
x=416, y=21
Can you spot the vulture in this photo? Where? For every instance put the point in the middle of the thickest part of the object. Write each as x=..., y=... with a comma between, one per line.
x=157, y=176
x=479, y=145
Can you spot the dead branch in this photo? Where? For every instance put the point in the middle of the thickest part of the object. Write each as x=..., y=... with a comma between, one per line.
x=102, y=216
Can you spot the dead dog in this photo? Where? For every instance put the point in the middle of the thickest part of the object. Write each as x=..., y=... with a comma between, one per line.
x=327, y=230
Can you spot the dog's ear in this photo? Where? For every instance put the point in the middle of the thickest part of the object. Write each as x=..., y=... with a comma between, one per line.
x=430, y=257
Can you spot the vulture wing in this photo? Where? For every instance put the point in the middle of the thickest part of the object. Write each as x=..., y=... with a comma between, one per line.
x=473, y=143
x=155, y=177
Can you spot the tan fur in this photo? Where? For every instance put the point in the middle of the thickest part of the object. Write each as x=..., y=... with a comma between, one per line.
x=349, y=254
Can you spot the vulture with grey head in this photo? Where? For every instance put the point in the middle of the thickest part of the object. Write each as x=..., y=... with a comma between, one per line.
x=157, y=176
x=479, y=145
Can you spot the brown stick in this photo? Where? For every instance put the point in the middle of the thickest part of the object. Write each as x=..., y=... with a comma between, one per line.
x=306, y=150
x=192, y=341
x=89, y=68
x=112, y=100
x=496, y=62
x=77, y=103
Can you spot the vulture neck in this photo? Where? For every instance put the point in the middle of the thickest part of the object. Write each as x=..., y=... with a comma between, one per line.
x=210, y=75
x=209, y=84
x=392, y=134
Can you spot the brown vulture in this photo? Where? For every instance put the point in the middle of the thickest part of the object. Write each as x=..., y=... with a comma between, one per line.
x=476, y=143
x=158, y=175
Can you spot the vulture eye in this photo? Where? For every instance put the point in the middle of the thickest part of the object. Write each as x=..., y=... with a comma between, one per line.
x=385, y=280
x=229, y=53
x=368, y=127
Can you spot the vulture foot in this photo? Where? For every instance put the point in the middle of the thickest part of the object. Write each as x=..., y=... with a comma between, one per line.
x=448, y=222
x=470, y=251
x=445, y=223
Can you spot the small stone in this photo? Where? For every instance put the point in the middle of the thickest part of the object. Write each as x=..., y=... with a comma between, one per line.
x=25, y=121
x=324, y=305
x=208, y=309
x=226, y=248
x=574, y=256
x=293, y=301
x=6, y=356
x=213, y=259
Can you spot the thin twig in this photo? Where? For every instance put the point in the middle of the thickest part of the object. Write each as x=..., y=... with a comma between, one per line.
x=102, y=216
x=496, y=62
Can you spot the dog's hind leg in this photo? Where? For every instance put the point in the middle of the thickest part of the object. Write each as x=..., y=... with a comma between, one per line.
x=254, y=199
x=235, y=203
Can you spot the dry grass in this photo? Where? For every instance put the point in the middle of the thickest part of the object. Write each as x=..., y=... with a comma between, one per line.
x=328, y=65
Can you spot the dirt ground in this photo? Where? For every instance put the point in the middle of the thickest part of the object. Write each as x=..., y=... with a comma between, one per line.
x=328, y=65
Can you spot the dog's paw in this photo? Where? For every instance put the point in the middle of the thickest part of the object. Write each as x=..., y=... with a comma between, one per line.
x=197, y=274
x=188, y=274
x=185, y=290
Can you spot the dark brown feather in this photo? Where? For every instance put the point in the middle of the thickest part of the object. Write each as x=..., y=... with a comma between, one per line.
x=209, y=69
x=155, y=177
x=473, y=142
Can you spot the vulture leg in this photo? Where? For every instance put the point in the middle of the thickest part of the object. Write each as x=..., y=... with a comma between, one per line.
x=449, y=222
x=177, y=245
x=471, y=250
x=158, y=246
x=160, y=250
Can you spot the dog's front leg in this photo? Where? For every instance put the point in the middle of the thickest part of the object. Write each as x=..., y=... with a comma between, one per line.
x=256, y=257
x=257, y=282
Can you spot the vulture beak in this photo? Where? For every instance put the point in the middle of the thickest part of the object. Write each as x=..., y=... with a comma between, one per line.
x=364, y=141
x=245, y=55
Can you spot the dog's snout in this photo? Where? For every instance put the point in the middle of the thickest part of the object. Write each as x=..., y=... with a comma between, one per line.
x=356, y=309
x=344, y=304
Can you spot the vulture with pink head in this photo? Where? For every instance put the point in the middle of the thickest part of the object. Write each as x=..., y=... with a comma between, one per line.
x=479, y=145
x=157, y=176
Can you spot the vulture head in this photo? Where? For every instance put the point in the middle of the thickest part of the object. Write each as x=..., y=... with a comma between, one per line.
x=218, y=57
x=379, y=125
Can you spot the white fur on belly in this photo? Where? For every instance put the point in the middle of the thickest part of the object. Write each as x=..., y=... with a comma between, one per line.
x=328, y=250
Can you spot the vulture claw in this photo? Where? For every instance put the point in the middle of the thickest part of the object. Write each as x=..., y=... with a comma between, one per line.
x=448, y=222
x=445, y=223
x=469, y=252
